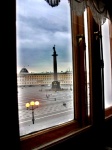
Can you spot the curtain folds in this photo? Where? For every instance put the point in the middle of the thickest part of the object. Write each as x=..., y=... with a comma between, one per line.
x=101, y=9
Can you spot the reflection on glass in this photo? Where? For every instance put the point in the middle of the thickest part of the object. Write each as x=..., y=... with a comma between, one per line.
x=107, y=65
x=44, y=64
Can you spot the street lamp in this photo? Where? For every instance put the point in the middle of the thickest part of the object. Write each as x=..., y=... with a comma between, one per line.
x=32, y=104
x=53, y=3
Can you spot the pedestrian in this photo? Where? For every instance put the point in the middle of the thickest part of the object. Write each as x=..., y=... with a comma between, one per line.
x=64, y=104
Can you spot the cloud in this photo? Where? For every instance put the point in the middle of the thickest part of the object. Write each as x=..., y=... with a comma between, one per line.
x=39, y=27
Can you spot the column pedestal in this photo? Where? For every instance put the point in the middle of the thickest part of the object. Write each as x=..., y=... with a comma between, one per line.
x=56, y=86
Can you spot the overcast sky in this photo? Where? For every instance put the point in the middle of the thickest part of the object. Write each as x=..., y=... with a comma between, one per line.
x=38, y=28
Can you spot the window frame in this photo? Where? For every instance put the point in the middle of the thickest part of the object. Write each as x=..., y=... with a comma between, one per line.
x=46, y=138
x=106, y=112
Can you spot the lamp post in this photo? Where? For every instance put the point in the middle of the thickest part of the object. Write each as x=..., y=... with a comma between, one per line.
x=32, y=104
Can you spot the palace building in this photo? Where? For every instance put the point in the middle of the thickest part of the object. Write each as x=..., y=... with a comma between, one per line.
x=25, y=78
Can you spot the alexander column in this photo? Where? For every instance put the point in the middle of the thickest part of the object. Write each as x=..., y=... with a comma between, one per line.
x=55, y=83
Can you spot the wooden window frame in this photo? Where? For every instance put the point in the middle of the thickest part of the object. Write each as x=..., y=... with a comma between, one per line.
x=106, y=113
x=10, y=135
x=52, y=136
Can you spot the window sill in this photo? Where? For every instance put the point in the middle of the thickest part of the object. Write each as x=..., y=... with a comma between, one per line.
x=73, y=133
x=50, y=136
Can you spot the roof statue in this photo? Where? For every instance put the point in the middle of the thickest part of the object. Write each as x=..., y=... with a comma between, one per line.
x=54, y=48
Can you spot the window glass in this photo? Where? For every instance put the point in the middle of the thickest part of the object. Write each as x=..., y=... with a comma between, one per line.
x=44, y=65
x=107, y=64
x=87, y=60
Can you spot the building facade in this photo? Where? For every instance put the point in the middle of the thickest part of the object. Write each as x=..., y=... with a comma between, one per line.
x=24, y=78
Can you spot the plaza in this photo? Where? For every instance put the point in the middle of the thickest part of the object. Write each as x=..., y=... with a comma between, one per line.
x=55, y=107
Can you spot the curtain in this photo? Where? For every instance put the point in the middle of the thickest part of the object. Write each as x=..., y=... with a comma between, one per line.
x=101, y=9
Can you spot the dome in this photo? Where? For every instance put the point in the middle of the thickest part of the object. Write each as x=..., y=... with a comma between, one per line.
x=24, y=70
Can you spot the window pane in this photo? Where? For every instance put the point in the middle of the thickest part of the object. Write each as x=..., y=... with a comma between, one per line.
x=44, y=65
x=107, y=65
x=87, y=60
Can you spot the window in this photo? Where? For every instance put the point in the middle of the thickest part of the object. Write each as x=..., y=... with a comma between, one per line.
x=106, y=40
x=107, y=64
x=44, y=34
x=98, y=73
x=72, y=77
x=86, y=71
